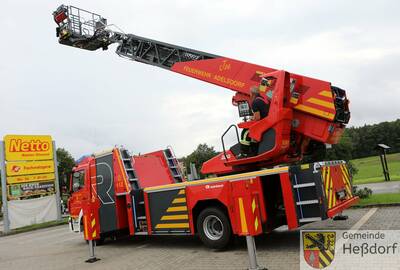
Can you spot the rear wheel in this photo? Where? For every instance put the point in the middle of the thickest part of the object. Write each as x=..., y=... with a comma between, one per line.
x=214, y=228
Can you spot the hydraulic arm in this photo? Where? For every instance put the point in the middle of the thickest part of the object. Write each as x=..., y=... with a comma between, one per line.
x=303, y=111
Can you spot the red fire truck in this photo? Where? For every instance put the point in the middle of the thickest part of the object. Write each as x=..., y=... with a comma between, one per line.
x=147, y=195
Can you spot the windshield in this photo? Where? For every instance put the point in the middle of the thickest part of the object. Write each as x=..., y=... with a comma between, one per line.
x=78, y=180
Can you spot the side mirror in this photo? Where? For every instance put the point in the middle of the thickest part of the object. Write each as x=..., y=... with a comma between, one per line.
x=75, y=187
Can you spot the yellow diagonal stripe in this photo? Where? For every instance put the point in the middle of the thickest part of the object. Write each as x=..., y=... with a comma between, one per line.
x=327, y=183
x=322, y=103
x=179, y=200
x=253, y=205
x=243, y=222
x=173, y=226
x=334, y=199
x=256, y=223
x=324, y=172
x=93, y=222
x=347, y=171
x=176, y=208
x=94, y=234
x=344, y=174
x=325, y=94
x=181, y=192
x=174, y=217
x=330, y=191
x=85, y=225
x=318, y=112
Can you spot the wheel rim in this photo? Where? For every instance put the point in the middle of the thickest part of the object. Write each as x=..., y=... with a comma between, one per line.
x=213, y=227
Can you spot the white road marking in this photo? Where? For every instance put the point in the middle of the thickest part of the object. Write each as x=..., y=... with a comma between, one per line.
x=357, y=226
x=364, y=219
x=143, y=246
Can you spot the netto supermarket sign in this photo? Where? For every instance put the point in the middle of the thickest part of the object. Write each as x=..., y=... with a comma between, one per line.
x=27, y=147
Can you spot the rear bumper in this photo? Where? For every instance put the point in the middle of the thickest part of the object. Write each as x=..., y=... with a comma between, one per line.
x=339, y=208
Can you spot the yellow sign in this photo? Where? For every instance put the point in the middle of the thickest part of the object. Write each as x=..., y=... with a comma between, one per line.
x=27, y=147
x=29, y=167
x=30, y=178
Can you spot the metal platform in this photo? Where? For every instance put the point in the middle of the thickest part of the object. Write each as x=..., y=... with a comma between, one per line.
x=81, y=28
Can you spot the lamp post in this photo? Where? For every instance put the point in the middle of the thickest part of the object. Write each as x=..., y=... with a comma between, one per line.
x=382, y=148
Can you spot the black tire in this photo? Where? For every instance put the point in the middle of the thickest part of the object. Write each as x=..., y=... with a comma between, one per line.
x=214, y=228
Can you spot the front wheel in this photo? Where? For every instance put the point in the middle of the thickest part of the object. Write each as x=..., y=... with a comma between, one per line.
x=214, y=228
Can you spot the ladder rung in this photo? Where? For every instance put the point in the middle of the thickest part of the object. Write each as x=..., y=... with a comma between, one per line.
x=141, y=202
x=126, y=159
x=311, y=219
x=123, y=193
x=129, y=169
x=307, y=202
x=141, y=218
x=304, y=185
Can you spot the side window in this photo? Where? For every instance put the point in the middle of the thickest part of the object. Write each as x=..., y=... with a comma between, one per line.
x=78, y=180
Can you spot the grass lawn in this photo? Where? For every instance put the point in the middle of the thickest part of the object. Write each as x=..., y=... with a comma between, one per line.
x=370, y=169
x=380, y=199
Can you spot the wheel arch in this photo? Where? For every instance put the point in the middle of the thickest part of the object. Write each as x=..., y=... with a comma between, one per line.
x=203, y=204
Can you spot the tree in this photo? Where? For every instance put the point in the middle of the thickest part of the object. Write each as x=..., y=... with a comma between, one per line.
x=202, y=153
x=341, y=151
x=65, y=164
x=365, y=138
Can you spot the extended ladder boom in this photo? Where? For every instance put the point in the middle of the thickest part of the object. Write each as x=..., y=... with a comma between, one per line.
x=87, y=30
x=302, y=109
x=157, y=53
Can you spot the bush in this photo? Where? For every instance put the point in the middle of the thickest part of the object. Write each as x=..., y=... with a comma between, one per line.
x=362, y=193
x=353, y=170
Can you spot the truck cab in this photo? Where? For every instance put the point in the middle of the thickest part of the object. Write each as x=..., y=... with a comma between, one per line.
x=80, y=193
x=98, y=178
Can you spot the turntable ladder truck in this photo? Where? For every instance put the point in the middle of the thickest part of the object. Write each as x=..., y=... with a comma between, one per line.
x=248, y=196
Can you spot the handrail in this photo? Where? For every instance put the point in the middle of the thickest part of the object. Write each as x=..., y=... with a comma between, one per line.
x=223, y=135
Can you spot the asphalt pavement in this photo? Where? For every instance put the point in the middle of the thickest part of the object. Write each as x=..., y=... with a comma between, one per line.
x=382, y=187
x=57, y=248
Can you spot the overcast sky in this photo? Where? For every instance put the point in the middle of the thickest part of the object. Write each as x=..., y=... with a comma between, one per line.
x=91, y=101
